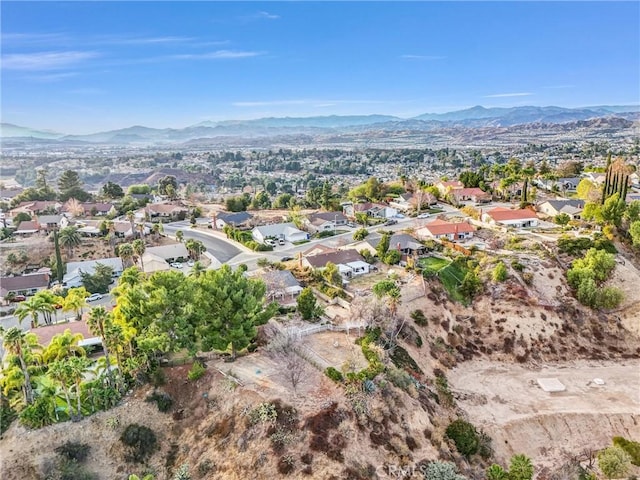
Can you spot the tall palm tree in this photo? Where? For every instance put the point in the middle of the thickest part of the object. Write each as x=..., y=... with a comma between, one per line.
x=126, y=253
x=157, y=229
x=179, y=236
x=64, y=345
x=60, y=372
x=32, y=307
x=49, y=301
x=78, y=366
x=99, y=322
x=195, y=248
x=139, y=249
x=132, y=220
x=69, y=238
x=15, y=341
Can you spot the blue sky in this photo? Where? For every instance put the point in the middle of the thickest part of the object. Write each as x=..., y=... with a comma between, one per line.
x=81, y=67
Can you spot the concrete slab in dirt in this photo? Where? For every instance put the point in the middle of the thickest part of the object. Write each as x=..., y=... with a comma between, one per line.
x=551, y=385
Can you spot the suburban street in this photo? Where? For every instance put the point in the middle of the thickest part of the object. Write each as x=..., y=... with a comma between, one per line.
x=222, y=249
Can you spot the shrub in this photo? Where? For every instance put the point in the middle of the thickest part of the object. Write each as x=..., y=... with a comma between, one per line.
x=334, y=374
x=464, y=435
x=499, y=273
x=163, y=401
x=182, y=473
x=196, y=372
x=141, y=441
x=263, y=413
x=399, y=378
x=392, y=257
x=445, y=397
x=629, y=446
x=75, y=451
x=360, y=234
x=418, y=317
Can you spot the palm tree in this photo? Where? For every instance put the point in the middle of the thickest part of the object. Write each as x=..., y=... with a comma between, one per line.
x=75, y=301
x=195, y=248
x=99, y=322
x=126, y=253
x=77, y=368
x=157, y=229
x=69, y=238
x=64, y=345
x=179, y=236
x=31, y=307
x=15, y=341
x=60, y=372
x=132, y=220
x=197, y=269
x=49, y=301
x=139, y=249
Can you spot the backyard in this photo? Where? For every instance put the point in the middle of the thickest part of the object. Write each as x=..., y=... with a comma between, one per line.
x=450, y=274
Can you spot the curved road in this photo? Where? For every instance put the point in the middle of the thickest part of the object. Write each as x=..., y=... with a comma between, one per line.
x=223, y=250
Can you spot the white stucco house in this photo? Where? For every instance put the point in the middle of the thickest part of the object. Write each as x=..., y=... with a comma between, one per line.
x=510, y=218
x=284, y=231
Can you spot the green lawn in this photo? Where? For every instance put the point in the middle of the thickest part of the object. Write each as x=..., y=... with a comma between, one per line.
x=449, y=274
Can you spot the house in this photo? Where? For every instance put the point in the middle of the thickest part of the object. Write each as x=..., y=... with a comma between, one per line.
x=474, y=194
x=122, y=229
x=28, y=227
x=510, y=218
x=325, y=221
x=233, y=219
x=572, y=207
x=89, y=228
x=374, y=210
x=8, y=194
x=508, y=191
x=37, y=207
x=284, y=231
x=317, y=250
x=565, y=184
x=410, y=201
x=446, y=187
x=166, y=211
x=281, y=285
x=49, y=223
x=596, y=178
x=403, y=242
x=152, y=263
x=45, y=333
x=24, y=285
x=349, y=262
x=98, y=209
x=170, y=253
x=442, y=229
x=73, y=277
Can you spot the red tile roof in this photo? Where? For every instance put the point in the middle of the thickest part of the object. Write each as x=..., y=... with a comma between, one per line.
x=442, y=227
x=500, y=214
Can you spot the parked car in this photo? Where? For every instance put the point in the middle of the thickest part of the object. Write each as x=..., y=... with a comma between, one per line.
x=93, y=297
x=424, y=215
x=286, y=259
x=19, y=298
x=270, y=241
x=176, y=265
x=191, y=263
x=281, y=241
x=391, y=222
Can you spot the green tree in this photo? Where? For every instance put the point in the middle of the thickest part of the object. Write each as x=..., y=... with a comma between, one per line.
x=70, y=186
x=21, y=217
x=126, y=253
x=562, y=219
x=168, y=186
x=632, y=213
x=60, y=372
x=392, y=257
x=100, y=322
x=613, y=209
x=69, y=238
x=308, y=305
x=471, y=284
x=99, y=280
x=16, y=342
x=383, y=246
x=332, y=275
x=520, y=468
x=389, y=290
x=63, y=345
x=179, y=236
x=496, y=472
x=586, y=190
x=634, y=232
x=32, y=307
x=614, y=462
x=232, y=305
x=465, y=437
x=499, y=272
x=112, y=190
x=138, y=250
x=195, y=248
x=360, y=234
x=75, y=301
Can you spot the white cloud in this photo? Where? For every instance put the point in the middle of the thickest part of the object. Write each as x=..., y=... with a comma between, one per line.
x=32, y=38
x=503, y=95
x=45, y=60
x=50, y=77
x=218, y=54
x=408, y=56
x=267, y=15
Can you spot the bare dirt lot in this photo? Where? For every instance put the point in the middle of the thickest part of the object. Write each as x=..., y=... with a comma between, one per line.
x=508, y=403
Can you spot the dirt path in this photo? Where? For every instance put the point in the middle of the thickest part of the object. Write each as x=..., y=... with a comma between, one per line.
x=507, y=402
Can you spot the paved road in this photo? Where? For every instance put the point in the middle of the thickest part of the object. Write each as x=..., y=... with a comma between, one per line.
x=222, y=249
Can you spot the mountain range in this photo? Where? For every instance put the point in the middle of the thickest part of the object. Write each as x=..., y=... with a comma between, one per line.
x=475, y=117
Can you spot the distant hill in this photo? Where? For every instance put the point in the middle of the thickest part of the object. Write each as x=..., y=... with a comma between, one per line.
x=272, y=127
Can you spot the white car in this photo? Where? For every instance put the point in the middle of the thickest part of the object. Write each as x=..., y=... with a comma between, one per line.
x=176, y=265
x=281, y=241
x=424, y=215
x=190, y=263
x=270, y=242
x=93, y=297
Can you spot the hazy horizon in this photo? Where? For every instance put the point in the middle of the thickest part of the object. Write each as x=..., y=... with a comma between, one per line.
x=85, y=67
